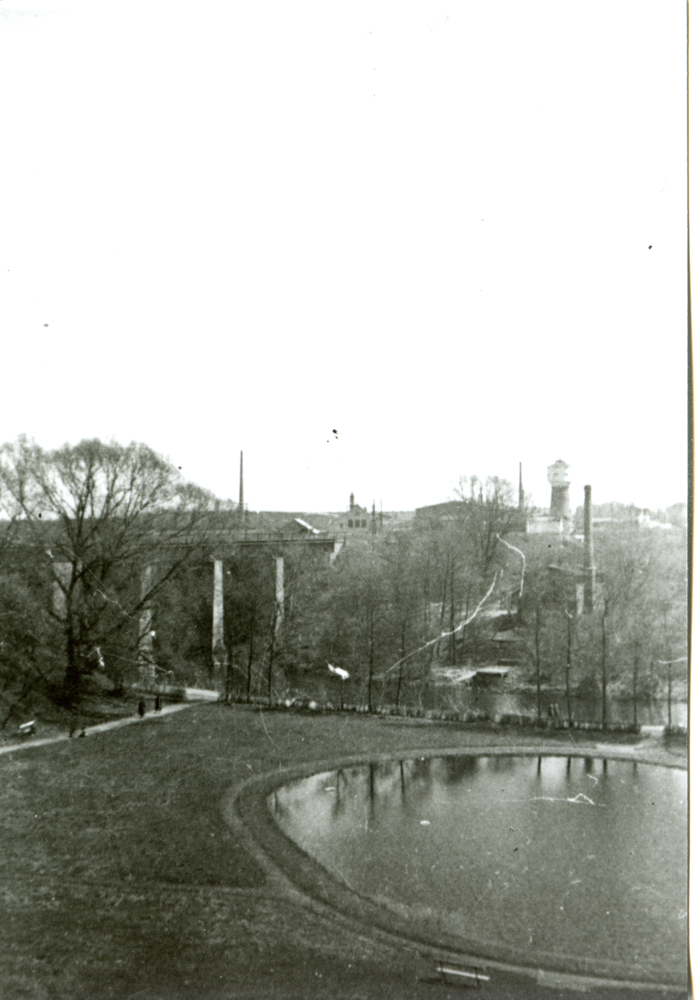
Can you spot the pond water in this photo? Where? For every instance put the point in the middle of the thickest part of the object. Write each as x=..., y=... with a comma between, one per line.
x=570, y=856
x=583, y=709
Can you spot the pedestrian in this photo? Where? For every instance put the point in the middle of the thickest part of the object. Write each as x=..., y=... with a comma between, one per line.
x=157, y=705
x=142, y=708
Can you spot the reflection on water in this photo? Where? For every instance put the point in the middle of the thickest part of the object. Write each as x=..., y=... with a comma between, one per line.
x=583, y=709
x=462, y=698
x=572, y=855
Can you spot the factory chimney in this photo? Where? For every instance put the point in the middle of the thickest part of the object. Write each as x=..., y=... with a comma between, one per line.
x=521, y=491
x=352, y=500
x=588, y=567
x=240, y=491
x=559, y=481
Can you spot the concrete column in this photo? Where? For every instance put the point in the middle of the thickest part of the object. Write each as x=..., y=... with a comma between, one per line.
x=218, y=650
x=279, y=594
x=62, y=572
x=147, y=665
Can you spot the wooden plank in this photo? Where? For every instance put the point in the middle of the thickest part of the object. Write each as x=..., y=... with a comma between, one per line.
x=472, y=975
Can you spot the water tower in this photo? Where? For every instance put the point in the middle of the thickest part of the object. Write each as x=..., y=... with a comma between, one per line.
x=558, y=478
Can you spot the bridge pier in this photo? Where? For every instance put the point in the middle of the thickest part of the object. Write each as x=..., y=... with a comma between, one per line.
x=147, y=667
x=218, y=647
x=279, y=593
x=62, y=572
x=219, y=653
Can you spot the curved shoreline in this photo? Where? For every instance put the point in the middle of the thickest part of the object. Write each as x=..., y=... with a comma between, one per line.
x=124, y=876
x=247, y=804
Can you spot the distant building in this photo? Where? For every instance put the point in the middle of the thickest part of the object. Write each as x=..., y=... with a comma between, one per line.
x=356, y=517
x=354, y=522
x=544, y=524
x=298, y=526
x=450, y=510
x=615, y=515
x=501, y=516
x=359, y=521
x=558, y=478
x=556, y=520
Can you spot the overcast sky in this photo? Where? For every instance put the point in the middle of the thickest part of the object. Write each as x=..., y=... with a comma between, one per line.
x=376, y=246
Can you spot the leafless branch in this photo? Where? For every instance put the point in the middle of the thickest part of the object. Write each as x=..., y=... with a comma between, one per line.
x=522, y=556
x=444, y=635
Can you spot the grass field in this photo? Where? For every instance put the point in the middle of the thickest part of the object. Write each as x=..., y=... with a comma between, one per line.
x=120, y=876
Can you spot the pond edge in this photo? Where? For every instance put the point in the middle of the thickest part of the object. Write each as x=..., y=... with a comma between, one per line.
x=246, y=806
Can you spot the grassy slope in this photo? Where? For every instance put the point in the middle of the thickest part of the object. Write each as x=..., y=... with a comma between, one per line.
x=120, y=877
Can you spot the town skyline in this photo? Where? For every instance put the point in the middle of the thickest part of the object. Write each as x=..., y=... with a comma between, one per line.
x=375, y=249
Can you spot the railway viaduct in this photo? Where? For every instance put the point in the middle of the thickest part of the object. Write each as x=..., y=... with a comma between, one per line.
x=223, y=544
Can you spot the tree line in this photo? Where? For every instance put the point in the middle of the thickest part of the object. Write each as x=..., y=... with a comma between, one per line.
x=459, y=587
x=78, y=522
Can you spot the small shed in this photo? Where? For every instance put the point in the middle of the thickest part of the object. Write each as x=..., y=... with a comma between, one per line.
x=490, y=675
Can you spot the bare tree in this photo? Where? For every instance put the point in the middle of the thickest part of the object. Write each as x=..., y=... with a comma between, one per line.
x=483, y=519
x=95, y=514
x=642, y=605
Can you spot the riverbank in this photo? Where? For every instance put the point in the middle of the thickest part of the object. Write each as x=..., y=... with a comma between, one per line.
x=122, y=877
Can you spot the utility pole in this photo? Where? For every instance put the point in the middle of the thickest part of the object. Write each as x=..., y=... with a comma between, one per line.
x=569, y=626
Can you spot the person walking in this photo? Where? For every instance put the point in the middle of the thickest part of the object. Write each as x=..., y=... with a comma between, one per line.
x=142, y=708
x=157, y=704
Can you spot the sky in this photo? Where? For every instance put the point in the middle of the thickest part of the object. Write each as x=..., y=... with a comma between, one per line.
x=376, y=246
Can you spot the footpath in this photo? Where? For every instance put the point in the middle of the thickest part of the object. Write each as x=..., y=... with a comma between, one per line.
x=195, y=696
